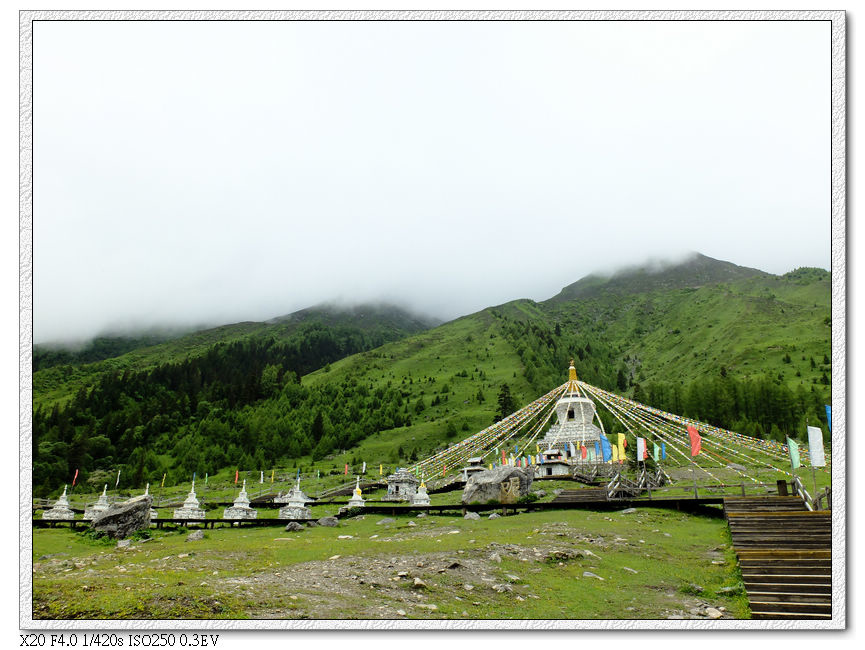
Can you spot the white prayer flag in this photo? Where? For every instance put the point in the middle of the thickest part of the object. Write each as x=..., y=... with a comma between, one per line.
x=117, y=482
x=262, y=477
x=641, y=448
x=363, y=471
x=815, y=447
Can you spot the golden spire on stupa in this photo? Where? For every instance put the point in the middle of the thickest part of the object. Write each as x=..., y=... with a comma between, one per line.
x=572, y=379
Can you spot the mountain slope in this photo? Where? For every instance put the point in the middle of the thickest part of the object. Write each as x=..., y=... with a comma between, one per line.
x=749, y=352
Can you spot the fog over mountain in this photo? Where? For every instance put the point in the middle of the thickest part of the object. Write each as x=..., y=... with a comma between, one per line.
x=243, y=171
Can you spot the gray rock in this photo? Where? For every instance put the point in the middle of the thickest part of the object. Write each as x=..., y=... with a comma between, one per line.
x=124, y=543
x=738, y=467
x=696, y=588
x=495, y=557
x=418, y=584
x=472, y=515
x=629, y=569
x=495, y=515
x=120, y=520
x=729, y=591
x=589, y=574
x=422, y=514
x=386, y=520
x=330, y=522
x=502, y=588
x=311, y=524
x=195, y=536
x=540, y=493
x=711, y=612
x=493, y=485
x=293, y=527
x=557, y=491
x=628, y=511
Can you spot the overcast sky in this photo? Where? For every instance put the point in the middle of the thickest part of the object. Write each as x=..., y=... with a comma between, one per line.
x=193, y=172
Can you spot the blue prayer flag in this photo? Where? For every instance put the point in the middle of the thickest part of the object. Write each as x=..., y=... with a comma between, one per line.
x=606, y=449
x=597, y=450
x=829, y=417
x=663, y=451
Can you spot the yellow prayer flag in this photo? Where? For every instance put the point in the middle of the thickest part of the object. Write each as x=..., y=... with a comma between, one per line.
x=163, y=481
x=272, y=474
x=615, y=451
x=379, y=470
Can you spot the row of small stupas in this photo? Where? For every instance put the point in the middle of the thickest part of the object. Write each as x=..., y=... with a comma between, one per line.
x=402, y=486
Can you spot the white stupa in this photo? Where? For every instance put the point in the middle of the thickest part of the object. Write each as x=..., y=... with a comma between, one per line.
x=356, y=500
x=101, y=505
x=61, y=509
x=420, y=498
x=295, y=507
x=191, y=508
x=240, y=509
x=575, y=414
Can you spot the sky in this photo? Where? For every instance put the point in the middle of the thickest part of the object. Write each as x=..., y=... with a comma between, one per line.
x=192, y=173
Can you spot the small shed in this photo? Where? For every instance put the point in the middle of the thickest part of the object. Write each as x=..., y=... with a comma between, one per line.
x=553, y=464
x=474, y=466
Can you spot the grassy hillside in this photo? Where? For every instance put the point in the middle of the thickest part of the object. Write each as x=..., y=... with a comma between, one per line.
x=736, y=347
x=60, y=373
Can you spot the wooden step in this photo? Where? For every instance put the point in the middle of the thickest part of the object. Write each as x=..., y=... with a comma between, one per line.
x=791, y=554
x=754, y=578
x=799, y=587
x=788, y=615
x=790, y=597
x=816, y=608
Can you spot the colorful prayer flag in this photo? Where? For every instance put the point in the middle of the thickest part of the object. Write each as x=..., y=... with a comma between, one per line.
x=696, y=440
x=606, y=448
x=793, y=448
x=622, y=444
x=815, y=447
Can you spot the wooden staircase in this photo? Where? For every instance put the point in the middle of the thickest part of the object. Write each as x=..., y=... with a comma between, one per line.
x=785, y=555
x=581, y=496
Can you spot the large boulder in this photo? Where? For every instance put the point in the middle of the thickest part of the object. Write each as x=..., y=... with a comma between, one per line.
x=120, y=520
x=503, y=485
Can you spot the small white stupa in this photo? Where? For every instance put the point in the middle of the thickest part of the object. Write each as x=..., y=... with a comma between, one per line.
x=420, y=498
x=240, y=509
x=356, y=500
x=101, y=505
x=61, y=510
x=295, y=507
x=191, y=508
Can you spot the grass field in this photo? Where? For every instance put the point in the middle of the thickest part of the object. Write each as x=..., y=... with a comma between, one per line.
x=531, y=566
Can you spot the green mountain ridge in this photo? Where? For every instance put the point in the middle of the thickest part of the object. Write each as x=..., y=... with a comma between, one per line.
x=738, y=347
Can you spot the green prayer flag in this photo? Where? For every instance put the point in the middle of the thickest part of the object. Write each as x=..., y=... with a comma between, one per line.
x=656, y=451
x=794, y=453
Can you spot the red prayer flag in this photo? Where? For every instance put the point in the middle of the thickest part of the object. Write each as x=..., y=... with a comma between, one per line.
x=74, y=478
x=696, y=440
x=583, y=452
x=236, y=475
x=346, y=469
